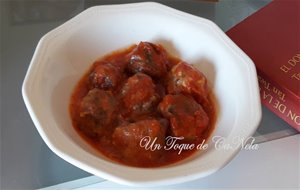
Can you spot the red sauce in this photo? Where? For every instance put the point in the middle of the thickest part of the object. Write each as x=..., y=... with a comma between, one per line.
x=140, y=92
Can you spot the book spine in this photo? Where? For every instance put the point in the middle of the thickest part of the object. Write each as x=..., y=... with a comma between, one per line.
x=279, y=100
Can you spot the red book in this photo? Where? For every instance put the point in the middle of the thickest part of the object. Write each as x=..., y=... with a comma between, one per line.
x=271, y=38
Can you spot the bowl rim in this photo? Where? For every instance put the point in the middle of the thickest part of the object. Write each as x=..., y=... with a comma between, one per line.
x=28, y=83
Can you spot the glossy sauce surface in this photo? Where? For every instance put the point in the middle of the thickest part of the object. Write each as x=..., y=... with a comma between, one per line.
x=142, y=94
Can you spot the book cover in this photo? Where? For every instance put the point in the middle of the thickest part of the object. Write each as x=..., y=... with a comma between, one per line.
x=271, y=38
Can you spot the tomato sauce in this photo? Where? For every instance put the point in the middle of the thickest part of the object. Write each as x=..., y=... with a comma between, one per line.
x=138, y=94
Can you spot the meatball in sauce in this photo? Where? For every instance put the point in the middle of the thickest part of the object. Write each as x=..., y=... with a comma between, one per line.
x=184, y=78
x=148, y=58
x=187, y=117
x=139, y=94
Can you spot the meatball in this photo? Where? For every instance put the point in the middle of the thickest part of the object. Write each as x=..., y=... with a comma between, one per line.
x=187, y=118
x=105, y=76
x=148, y=58
x=131, y=140
x=184, y=78
x=139, y=94
x=99, y=105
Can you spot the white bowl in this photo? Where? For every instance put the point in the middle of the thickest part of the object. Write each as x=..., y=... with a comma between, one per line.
x=64, y=54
